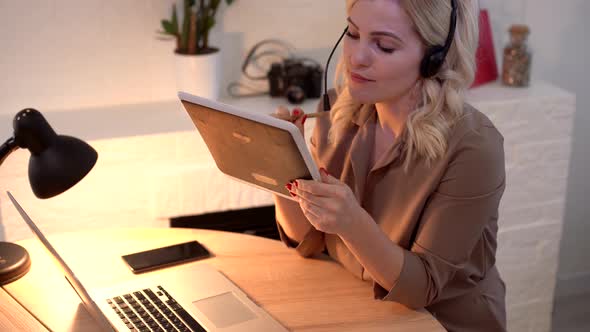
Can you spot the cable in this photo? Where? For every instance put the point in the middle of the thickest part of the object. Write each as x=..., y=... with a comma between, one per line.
x=327, y=106
x=231, y=90
x=287, y=48
x=253, y=59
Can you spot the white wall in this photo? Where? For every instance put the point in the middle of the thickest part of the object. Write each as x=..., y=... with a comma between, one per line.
x=560, y=53
x=70, y=54
x=62, y=54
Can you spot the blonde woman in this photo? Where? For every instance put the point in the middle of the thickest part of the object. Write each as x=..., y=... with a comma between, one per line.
x=411, y=175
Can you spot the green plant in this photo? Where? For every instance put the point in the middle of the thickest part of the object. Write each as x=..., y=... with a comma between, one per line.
x=192, y=34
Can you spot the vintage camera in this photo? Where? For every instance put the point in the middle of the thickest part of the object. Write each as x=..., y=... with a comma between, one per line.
x=296, y=80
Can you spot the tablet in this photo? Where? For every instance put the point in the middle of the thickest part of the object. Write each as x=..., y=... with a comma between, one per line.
x=256, y=149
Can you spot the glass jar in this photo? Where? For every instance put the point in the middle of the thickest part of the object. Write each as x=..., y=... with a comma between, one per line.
x=516, y=69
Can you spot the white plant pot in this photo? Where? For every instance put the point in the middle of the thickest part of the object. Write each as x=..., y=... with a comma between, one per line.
x=199, y=74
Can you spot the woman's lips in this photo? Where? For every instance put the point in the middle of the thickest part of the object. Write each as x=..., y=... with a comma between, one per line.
x=359, y=78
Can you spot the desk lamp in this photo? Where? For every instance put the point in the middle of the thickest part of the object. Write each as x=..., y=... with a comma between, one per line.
x=57, y=163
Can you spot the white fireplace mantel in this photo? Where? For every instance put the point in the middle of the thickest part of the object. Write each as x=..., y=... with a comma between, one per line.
x=153, y=165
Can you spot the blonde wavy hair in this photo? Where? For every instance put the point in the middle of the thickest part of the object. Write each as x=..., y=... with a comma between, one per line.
x=441, y=96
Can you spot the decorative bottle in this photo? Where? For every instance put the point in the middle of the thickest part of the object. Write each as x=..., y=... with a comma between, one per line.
x=516, y=69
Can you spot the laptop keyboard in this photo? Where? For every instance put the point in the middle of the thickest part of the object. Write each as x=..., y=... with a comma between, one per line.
x=153, y=309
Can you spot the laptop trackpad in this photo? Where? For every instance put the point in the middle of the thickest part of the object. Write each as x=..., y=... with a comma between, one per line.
x=224, y=310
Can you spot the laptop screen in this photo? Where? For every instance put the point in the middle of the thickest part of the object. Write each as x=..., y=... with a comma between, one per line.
x=70, y=277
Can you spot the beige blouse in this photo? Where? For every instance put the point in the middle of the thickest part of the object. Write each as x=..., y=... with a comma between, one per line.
x=444, y=216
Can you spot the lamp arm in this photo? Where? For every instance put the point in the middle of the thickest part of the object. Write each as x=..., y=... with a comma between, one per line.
x=7, y=148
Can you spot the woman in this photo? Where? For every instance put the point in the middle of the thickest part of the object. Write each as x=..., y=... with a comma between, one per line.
x=411, y=175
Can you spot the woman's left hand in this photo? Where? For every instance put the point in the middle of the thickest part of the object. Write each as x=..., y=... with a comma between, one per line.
x=330, y=206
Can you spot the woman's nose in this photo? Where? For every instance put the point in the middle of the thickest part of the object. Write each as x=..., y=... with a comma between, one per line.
x=360, y=57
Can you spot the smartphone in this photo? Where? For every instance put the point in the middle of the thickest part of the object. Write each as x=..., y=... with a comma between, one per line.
x=166, y=256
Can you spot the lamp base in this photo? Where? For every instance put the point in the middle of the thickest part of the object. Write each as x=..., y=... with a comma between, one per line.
x=14, y=262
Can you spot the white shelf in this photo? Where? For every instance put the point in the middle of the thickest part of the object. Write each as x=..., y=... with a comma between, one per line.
x=168, y=116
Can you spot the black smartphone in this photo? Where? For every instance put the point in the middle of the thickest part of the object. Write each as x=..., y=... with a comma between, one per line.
x=166, y=256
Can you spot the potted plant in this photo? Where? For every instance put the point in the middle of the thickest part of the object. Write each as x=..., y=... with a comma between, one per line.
x=198, y=68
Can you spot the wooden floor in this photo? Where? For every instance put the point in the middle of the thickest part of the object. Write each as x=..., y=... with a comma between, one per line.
x=572, y=314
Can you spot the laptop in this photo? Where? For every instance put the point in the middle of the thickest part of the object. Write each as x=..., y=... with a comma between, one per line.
x=194, y=297
x=256, y=149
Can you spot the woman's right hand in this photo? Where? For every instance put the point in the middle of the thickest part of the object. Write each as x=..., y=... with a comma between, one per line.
x=296, y=116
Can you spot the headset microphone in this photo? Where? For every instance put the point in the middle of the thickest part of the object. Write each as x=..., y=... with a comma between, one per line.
x=326, y=97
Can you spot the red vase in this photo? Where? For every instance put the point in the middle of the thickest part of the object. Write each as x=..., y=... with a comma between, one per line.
x=487, y=70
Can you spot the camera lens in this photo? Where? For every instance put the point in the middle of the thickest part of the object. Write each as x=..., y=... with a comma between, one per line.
x=295, y=94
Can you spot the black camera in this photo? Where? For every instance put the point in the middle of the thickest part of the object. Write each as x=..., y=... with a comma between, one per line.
x=296, y=80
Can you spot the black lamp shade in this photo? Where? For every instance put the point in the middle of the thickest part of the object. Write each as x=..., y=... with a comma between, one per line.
x=57, y=162
x=60, y=166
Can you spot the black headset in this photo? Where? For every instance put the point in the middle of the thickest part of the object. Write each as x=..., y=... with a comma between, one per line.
x=435, y=55
x=433, y=59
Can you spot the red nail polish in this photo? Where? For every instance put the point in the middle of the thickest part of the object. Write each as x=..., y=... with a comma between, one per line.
x=289, y=186
x=296, y=112
x=292, y=194
x=304, y=118
x=296, y=184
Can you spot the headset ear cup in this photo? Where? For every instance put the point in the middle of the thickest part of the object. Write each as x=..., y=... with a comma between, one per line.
x=435, y=56
x=425, y=64
x=432, y=61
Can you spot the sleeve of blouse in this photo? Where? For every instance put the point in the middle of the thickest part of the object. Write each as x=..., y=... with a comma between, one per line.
x=453, y=220
x=313, y=241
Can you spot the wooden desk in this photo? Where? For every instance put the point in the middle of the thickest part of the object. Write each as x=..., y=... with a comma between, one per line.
x=302, y=294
